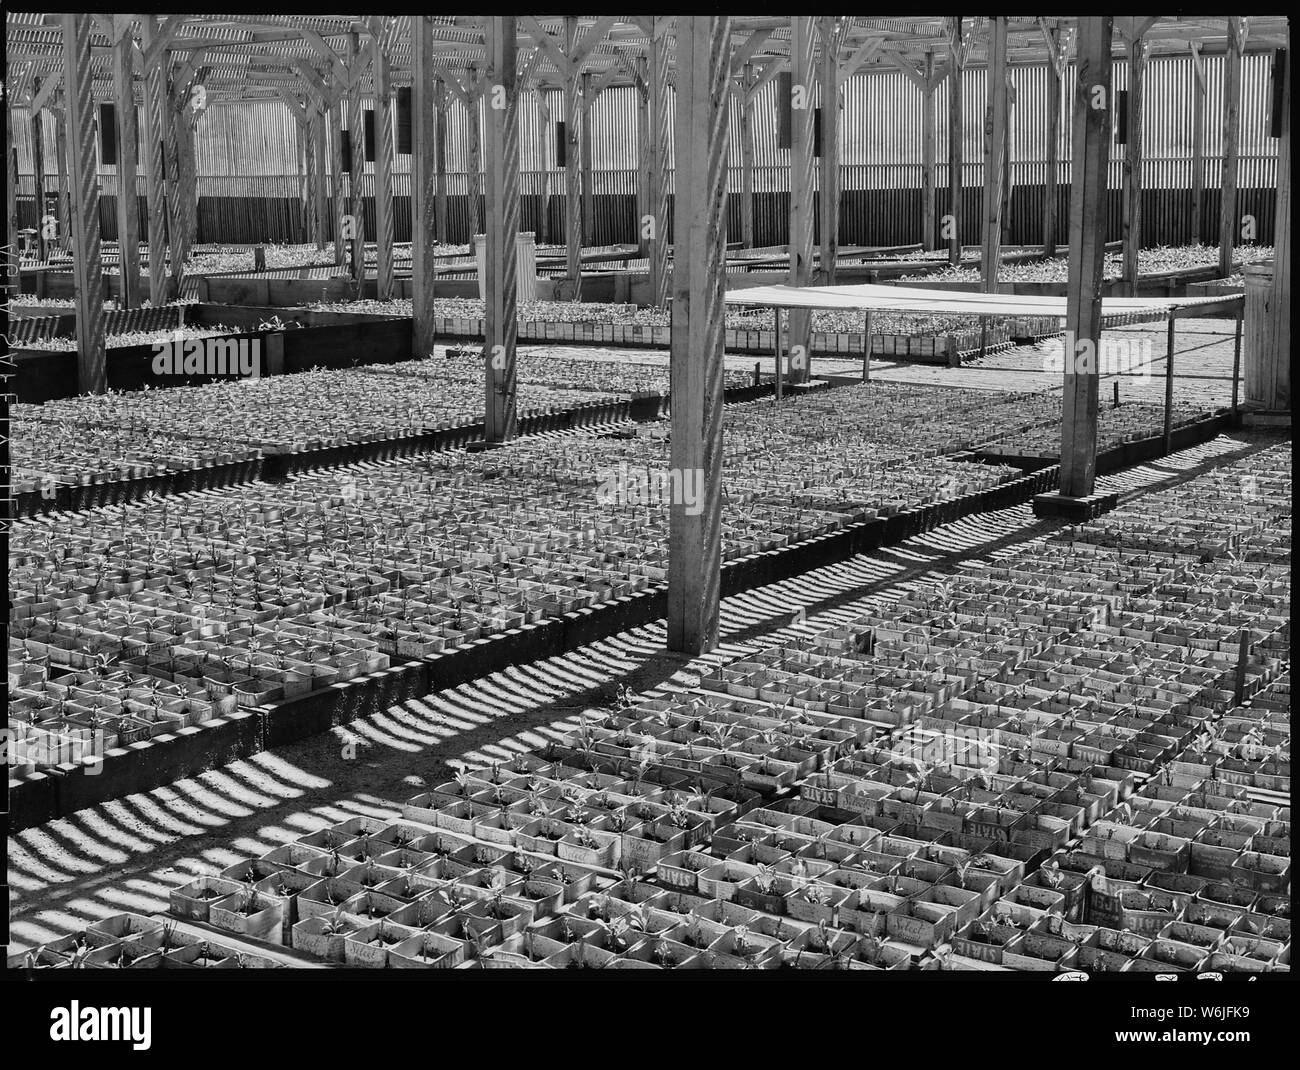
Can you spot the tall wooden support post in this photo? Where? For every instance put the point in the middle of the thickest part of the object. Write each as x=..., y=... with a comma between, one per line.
x=12, y=225
x=424, y=135
x=1279, y=307
x=1169, y=383
x=184, y=199
x=302, y=162
x=474, y=156
x=828, y=190
x=572, y=165
x=38, y=179
x=543, y=161
x=336, y=171
x=156, y=113
x=172, y=187
x=928, y=151
x=995, y=123
x=1007, y=176
x=128, y=213
x=588, y=190
x=357, y=164
x=1091, y=152
x=657, y=58
x=87, y=267
x=61, y=184
x=956, y=133
x=1133, y=164
x=320, y=151
x=501, y=285
x=383, y=167
x=799, y=320
x=1055, y=65
x=829, y=179
x=747, y=157
x=642, y=155
x=440, y=160
x=1231, y=143
x=1198, y=146
x=695, y=519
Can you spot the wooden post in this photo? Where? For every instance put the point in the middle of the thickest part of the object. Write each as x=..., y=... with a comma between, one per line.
x=87, y=267
x=955, y=135
x=695, y=522
x=502, y=211
x=1133, y=164
x=474, y=128
x=321, y=154
x=1091, y=151
x=802, y=41
x=658, y=57
x=1279, y=307
x=336, y=170
x=1231, y=139
x=1169, y=385
x=829, y=179
x=866, y=346
x=1007, y=177
x=356, y=64
x=38, y=178
x=642, y=155
x=1053, y=137
x=995, y=125
x=544, y=161
x=776, y=355
x=572, y=161
x=128, y=209
x=1198, y=146
x=184, y=199
x=156, y=112
x=302, y=161
x=440, y=161
x=424, y=137
x=928, y=151
x=1236, y=351
x=61, y=178
x=747, y=157
x=384, y=281
x=588, y=192
x=11, y=200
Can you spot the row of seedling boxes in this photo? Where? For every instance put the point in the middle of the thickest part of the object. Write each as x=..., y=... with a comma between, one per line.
x=135, y=941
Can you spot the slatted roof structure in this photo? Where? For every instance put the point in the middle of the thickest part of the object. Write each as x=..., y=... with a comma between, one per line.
x=249, y=57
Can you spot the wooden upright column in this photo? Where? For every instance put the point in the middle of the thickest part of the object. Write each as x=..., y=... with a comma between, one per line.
x=572, y=164
x=357, y=165
x=383, y=167
x=424, y=133
x=799, y=320
x=955, y=134
x=502, y=210
x=928, y=153
x=43, y=244
x=1054, y=71
x=87, y=267
x=156, y=113
x=474, y=157
x=658, y=58
x=747, y=158
x=11, y=199
x=1091, y=151
x=1279, y=307
x=642, y=154
x=128, y=209
x=701, y=135
x=1231, y=144
x=1198, y=146
x=1133, y=164
x=336, y=169
x=995, y=123
x=440, y=158
x=829, y=187
x=588, y=190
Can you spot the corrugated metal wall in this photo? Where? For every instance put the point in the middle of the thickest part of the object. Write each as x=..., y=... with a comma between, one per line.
x=248, y=153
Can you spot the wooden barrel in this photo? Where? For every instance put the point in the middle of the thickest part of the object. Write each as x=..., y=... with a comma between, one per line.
x=1265, y=370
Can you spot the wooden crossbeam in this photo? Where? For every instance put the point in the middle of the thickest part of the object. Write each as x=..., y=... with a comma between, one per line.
x=745, y=51
x=864, y=52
